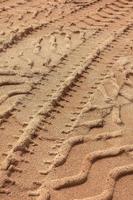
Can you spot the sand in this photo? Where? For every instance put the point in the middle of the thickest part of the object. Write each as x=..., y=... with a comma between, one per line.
x=66, y=99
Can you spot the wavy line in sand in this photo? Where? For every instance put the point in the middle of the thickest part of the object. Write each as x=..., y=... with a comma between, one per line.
x=82, y=176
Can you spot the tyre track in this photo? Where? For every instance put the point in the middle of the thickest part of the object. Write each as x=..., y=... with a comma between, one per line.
x=45, y=119
x=21, y=113
x=28, y=30
x=21, y=147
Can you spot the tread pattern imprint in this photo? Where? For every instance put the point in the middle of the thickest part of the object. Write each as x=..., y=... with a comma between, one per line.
x=66, y=99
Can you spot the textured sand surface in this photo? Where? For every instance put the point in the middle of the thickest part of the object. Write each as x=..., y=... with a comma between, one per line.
x=66, y=99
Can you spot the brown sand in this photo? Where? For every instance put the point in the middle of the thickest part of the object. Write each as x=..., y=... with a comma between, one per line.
x=66, y=99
